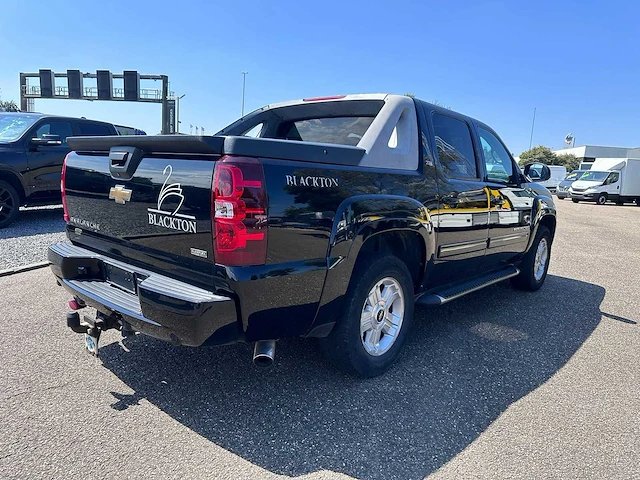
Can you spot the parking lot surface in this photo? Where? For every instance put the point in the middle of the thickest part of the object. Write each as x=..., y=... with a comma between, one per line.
x=498, y=384
x=25, y=241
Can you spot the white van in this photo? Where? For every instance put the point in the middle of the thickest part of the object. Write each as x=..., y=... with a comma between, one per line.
x=558, y=174
x=615, y=179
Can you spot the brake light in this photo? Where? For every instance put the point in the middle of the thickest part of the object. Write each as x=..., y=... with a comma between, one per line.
x=239, y=212
x=321, y=99
x=63, y=188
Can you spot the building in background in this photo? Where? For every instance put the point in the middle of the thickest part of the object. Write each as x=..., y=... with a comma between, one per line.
x=587, y=154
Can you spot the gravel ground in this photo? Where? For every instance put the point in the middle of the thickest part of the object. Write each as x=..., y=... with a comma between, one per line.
x=26, y=240
x=498, y=384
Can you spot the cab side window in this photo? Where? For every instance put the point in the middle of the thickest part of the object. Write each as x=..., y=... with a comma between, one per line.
x=613, y=178
x=62, y=129
x=497, y=160
x=455, y=147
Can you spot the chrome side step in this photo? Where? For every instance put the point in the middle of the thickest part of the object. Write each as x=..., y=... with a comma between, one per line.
x=451, y=293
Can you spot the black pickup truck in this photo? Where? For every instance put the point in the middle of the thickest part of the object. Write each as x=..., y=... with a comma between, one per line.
x=32, y=149
x=326, y=217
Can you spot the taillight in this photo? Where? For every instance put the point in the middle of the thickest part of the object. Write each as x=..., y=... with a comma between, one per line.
x=63, y=188
x=322, y=99
x=239, y=212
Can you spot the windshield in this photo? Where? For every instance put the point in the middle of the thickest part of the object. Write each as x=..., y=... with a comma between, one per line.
x=13, y=125
x=594, y=176
x=574, y=175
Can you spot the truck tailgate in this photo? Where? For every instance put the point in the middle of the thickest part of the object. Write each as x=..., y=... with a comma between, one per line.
x=161, y=216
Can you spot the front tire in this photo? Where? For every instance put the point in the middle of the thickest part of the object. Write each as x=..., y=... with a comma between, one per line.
x=378, y=314
x=575, y=200
x=534, y=266
x=602, y=199
x=9, y=204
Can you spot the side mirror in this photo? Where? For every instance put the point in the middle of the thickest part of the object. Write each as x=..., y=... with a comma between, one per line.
x=47, y=139
x=538, y=172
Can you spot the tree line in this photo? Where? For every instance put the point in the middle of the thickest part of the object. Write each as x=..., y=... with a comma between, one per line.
x=542, y=154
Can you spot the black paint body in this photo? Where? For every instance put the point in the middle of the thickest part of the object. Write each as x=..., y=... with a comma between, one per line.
x=315, y=234
x=34, y=170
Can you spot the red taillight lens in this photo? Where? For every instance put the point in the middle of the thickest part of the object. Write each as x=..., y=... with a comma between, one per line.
x=63, y=188
x=239, y=212
x=322, y=99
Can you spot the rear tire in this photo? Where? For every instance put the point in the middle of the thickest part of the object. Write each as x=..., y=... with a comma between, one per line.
x=575, y=200
x=378, y=314
x=534, y=266
x=9, y=204
x=602, y=199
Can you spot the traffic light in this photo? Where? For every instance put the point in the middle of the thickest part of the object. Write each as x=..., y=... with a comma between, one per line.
x=131, y=85
x=74, y=79
x=105, y=84
x=47, y=83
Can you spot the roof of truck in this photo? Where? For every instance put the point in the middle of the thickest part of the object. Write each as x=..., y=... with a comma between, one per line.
x=37, y=115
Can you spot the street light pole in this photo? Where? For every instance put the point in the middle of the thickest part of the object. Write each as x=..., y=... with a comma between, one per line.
x=244, y=83
x=178, y=111
x=532, y=125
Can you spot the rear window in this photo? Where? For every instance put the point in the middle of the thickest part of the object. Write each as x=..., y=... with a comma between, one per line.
x=93, y=129
x=338, y=130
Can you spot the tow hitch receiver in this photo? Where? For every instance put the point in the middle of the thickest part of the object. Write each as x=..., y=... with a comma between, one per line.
x=91, y=328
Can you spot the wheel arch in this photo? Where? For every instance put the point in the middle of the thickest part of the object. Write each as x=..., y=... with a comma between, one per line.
x=366, y=226
x=542, y=213
x=15, y=181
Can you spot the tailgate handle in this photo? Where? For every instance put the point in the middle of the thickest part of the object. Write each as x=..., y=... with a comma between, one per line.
x=123, y=162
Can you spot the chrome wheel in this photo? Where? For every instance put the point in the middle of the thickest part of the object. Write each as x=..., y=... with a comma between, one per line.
x=541, y=259
x=382, y=316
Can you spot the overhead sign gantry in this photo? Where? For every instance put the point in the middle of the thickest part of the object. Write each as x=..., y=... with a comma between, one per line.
x=45, y=87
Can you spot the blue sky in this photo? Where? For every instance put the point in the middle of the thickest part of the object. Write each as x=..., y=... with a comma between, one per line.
x=576, y=62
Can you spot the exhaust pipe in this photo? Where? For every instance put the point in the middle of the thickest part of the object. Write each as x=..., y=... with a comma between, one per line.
x=264, y=353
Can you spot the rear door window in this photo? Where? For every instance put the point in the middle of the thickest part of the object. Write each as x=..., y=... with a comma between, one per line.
x=86, y=129
x=455, y=147
x=338, y=130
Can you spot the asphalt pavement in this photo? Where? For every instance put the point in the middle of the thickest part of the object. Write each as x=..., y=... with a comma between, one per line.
x=25, y=241
x=498, y=384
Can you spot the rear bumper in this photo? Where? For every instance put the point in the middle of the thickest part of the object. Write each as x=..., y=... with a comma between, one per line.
x=161, y=307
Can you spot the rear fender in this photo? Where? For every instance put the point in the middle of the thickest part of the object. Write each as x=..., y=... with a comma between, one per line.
x=359, y=220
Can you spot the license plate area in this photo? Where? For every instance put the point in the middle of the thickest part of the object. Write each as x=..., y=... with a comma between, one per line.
x=121, y=278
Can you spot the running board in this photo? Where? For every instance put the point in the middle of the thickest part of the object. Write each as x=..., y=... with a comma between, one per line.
x=457, y=291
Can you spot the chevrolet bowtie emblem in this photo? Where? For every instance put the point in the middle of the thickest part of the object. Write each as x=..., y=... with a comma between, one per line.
x=120, y=194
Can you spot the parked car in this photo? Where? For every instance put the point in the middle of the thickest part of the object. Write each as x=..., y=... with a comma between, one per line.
x=614, y=179
x=558, y=174
x=342, y=215
x=122, y=130
x=562, y=191
x=32, y=149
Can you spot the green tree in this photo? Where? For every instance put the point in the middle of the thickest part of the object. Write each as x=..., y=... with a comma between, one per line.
x=569, y=160
x=539, y=154
x=8, y=106
x=542, y=154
